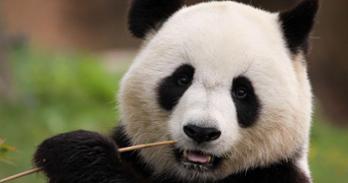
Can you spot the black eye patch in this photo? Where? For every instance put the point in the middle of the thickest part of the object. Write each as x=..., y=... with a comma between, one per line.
x=172, y=88
x=246, y=101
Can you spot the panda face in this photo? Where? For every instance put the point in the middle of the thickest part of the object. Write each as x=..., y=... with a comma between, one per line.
x=219, y=79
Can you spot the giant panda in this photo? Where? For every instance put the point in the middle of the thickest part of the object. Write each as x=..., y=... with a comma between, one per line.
x=228, y=82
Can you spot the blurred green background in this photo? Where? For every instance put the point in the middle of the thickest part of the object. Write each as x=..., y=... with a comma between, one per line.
x=53, y=93
x=61, y=63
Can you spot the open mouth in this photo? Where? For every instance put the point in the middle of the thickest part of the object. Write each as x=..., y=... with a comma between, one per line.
x=197, y=160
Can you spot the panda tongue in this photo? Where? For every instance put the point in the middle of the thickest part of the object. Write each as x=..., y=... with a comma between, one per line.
x=198, y=158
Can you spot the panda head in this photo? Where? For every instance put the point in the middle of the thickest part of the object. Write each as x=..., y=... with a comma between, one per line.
x=225, y=80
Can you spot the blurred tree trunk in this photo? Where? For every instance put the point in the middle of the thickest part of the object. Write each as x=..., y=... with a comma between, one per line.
x=70, y=24
x=5, y=76
x=329, y=66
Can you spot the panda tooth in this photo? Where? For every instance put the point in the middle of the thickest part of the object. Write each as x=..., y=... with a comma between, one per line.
x=185, y=154
x=210, y=158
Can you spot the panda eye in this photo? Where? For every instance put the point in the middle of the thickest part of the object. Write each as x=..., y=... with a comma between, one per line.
x=240, y=92
x=183, y=80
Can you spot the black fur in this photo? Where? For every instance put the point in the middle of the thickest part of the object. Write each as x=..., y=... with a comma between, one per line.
x=82, y=157
x=146, y=15
x=132, y=158
x=169, y=91
x=88, y=157
x=248, y=108
x=298, y=23
x=283, y=172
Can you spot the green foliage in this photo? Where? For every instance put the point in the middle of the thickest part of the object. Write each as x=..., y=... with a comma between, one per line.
x=329, y=153
x=54, y=94
x=58, y=93
x=4, y=150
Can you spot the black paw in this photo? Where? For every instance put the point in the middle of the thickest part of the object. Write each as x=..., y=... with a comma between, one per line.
x=77, y=156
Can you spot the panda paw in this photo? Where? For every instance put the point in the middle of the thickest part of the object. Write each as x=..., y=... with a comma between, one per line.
x=79, y=156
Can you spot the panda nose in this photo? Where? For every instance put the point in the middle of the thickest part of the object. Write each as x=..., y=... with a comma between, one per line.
x=200, y=134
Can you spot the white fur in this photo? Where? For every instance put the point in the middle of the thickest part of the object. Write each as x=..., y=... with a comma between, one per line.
x=221, y=40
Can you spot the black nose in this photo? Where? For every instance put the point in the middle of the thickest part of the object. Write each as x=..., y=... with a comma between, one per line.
x=200, y=134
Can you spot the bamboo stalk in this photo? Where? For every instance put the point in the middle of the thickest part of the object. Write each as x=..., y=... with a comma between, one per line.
x=22, y=174
x=143, y=146
x=121, y=150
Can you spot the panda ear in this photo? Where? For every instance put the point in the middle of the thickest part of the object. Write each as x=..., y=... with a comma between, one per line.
x=297, y=24
x=147, y=15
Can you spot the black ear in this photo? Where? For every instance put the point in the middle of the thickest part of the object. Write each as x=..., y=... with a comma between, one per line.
x=146, y=15
x=297, y=24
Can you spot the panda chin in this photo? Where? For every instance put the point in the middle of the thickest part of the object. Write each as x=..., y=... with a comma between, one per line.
x=196, y=160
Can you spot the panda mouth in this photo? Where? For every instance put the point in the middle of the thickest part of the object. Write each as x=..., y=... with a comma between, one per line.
x=197, y=160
